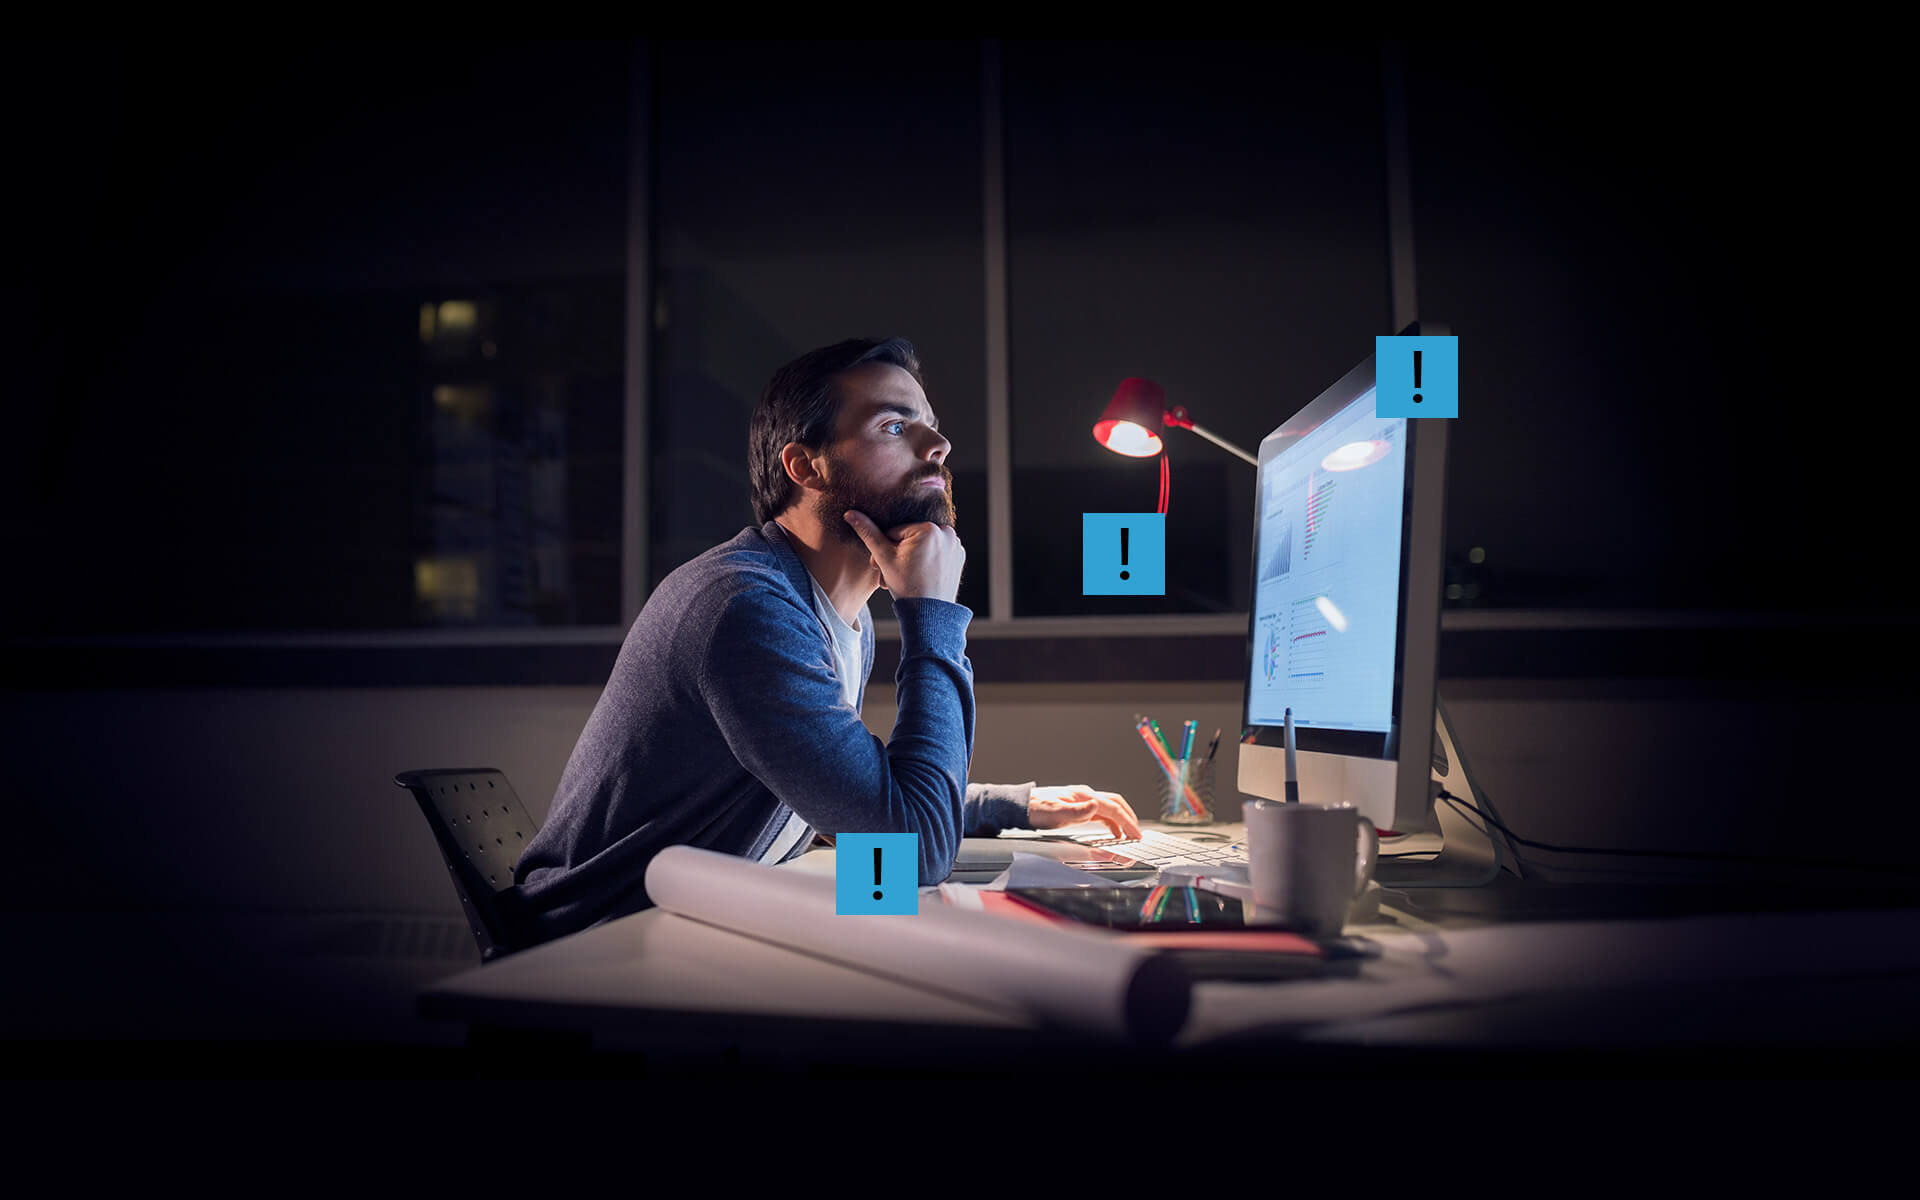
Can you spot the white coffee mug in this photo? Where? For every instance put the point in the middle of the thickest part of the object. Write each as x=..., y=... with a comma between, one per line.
x=1307, y=864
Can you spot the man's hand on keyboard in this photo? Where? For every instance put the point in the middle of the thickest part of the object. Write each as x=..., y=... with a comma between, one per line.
x=1053, y=807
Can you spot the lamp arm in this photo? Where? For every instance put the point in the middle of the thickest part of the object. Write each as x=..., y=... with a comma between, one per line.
x=1229, y=447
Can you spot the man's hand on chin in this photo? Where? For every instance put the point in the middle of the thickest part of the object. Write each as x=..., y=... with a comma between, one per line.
x=1070, y=804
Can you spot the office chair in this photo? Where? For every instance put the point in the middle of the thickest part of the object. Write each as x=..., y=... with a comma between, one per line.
x=481, y=828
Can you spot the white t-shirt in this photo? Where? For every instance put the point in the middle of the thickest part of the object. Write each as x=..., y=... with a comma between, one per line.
x=846, y=663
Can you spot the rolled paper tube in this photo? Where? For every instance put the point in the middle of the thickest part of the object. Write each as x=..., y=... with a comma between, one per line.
x=1088, y=980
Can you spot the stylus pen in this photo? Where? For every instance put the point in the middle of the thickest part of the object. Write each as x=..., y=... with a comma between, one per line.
x=1293, y=771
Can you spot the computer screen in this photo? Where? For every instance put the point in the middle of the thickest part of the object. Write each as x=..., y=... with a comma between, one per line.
x=1326, y=596
x=1344, y=617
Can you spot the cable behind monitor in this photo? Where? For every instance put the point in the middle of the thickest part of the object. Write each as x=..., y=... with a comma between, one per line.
x=1470, y=854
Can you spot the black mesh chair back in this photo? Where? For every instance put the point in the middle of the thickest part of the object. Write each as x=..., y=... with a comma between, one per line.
x=481, y=828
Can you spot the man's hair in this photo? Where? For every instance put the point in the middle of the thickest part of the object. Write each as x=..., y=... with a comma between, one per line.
x=802, y=405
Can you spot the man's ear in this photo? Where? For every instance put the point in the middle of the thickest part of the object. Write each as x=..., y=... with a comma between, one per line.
x=802, y=464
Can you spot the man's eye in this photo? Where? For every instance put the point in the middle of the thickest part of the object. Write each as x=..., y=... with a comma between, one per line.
x=896, y=424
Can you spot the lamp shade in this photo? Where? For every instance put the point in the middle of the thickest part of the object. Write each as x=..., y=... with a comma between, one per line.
x=1131, y=425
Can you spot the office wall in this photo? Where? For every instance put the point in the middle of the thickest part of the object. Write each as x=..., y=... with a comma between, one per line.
x=280, y=801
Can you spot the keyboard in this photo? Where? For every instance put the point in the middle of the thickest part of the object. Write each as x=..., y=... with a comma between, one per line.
x=1157, y=849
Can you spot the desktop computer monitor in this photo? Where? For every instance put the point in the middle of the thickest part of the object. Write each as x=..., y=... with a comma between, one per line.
x=1344, y=624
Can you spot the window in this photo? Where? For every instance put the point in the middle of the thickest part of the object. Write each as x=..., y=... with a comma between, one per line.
x=335, y=341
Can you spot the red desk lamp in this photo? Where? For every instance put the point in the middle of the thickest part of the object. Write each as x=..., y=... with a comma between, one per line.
x=1133, y=418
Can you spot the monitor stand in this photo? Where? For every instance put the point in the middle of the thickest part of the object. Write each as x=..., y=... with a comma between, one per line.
x=1471, y=854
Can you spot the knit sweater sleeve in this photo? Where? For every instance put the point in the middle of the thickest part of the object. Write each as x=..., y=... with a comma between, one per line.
x=992, y=807
x=773, y=695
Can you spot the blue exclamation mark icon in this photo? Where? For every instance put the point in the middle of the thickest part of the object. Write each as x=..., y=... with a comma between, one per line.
x=1142, y=574
x=1417, y=376
x=890, y=888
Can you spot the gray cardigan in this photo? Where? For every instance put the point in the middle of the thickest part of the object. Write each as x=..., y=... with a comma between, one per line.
x=723, y=714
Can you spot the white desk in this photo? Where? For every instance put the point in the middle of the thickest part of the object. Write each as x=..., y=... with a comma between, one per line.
x=1478, y=972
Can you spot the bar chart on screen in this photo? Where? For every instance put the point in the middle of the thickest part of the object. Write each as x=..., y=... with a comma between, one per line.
x=1306, y=645
x=1320, y=543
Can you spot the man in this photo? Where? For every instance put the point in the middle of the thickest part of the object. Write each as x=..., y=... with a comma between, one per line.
x=732, y=718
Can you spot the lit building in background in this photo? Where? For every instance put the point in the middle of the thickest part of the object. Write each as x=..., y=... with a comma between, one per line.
x=490, y=529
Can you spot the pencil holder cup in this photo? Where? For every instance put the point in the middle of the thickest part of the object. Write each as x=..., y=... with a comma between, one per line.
x=1176, y=807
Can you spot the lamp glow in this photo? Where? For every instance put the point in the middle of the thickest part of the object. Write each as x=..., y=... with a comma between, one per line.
x=1129, y=425
x=1354, y=455
x=1124, y=437
x=1331, y=612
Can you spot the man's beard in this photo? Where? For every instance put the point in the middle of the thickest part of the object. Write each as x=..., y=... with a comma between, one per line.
x=908, y=504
